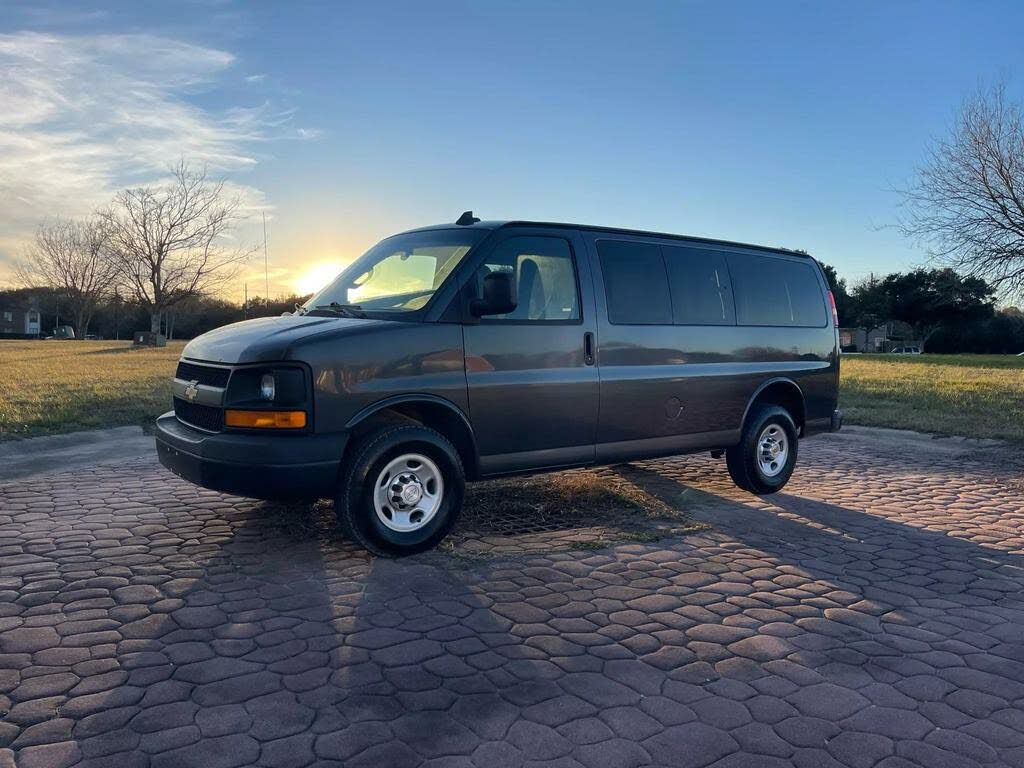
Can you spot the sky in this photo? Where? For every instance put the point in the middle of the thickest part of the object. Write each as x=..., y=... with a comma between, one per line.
x=787, y=123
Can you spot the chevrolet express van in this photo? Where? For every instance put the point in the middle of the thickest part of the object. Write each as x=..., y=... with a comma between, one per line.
x=479, y=349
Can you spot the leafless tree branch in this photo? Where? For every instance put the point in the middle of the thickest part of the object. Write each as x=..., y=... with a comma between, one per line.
x=75, y=258
x=170, y=242
x=966, y=205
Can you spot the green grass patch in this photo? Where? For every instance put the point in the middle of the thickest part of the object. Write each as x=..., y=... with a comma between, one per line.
x=969, y=395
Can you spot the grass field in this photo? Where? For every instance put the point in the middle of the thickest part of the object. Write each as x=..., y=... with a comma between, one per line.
x=63, y=386
x=969, y=395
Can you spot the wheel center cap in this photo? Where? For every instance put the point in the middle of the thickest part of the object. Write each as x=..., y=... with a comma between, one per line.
x=411, y=494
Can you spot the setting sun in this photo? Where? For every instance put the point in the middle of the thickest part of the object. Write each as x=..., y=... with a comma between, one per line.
x=316, y=276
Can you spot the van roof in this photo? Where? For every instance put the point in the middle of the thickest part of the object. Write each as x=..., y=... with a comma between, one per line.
x=489, y=225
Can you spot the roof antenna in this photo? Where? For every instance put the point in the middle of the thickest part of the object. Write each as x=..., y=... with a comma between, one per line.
x=466, y=219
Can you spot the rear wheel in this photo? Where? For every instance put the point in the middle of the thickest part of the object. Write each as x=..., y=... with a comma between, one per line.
x=402, y=491
x=764, y=460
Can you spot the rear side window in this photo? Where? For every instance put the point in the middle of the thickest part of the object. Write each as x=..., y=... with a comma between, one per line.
x=699, y=280
x=771, y=291
x=635, y=283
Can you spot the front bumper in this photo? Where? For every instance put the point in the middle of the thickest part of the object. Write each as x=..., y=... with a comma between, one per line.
x=259, y=466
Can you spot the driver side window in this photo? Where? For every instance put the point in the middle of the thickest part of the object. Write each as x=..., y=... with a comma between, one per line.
x=545, y=279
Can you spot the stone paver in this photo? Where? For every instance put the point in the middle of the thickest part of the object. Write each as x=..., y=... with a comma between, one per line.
x=872, y=614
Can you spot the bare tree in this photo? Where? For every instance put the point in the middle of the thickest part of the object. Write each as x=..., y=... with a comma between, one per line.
x=966, y=205
x=172, y=241
x=73, y=257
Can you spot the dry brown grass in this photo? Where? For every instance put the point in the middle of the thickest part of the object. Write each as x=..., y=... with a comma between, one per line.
x=48, y=387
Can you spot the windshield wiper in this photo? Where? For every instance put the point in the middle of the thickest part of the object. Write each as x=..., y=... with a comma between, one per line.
x=343, y=310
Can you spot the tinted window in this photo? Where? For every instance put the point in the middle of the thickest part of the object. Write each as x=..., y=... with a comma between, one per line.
x=545, y=278
x=699, y=281
x=635, y=283
x=775, y=291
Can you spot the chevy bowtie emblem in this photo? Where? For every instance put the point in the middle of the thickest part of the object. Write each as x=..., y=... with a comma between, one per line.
x=192, y=390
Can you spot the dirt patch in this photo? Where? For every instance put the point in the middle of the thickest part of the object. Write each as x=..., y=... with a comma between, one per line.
x=579, y=509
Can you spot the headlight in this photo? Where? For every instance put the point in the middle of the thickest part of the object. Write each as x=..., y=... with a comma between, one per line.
x=276, y=386
x=267, y=388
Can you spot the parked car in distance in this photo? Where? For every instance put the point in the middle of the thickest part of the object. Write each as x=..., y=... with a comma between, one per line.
x=480, y=349
x=906, y=351
x=61, y=333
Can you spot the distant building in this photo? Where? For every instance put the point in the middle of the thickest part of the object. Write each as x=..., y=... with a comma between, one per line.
x=880, y=339
x=19, y=319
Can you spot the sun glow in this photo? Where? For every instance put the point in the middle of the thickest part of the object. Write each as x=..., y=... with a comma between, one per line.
x=316, y=276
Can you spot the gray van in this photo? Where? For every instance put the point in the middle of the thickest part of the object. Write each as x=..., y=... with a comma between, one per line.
x=480, y=349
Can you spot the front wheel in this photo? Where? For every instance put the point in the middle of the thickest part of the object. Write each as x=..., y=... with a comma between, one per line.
x=402, y=491
x=764, y=460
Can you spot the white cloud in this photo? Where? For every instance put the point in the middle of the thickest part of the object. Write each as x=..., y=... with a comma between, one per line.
x=81, y=116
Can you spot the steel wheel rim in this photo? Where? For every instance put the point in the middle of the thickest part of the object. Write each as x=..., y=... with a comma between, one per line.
x=772, y=450
x=408, y=493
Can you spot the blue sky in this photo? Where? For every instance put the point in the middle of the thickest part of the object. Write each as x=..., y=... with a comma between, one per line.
x=777, y=123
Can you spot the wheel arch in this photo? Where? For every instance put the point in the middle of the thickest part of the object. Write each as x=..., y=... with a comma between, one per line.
x=783, y=392
x=429, y=410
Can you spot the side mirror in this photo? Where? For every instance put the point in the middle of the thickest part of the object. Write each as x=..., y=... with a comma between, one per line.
x=499, y=295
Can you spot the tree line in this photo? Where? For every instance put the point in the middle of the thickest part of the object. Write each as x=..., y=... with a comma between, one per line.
x=947, y=311
x=117, y=317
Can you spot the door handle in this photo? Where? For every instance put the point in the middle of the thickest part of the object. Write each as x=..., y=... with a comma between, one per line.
x=588, y=348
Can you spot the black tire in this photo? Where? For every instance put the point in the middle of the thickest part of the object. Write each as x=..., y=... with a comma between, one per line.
x=742, y=459
x=354, y=503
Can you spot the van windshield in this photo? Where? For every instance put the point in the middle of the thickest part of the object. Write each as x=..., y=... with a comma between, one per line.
x=399, y=274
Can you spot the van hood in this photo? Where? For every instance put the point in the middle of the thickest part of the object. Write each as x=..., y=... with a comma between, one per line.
x=269, y=339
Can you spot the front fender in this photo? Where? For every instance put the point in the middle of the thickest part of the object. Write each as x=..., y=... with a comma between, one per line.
x=409, y=399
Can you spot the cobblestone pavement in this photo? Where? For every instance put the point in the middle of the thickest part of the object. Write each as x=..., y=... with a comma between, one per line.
x=871, y=614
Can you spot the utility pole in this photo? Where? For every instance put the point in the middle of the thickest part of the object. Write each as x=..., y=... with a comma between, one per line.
x=245, y=301
x=266, y=273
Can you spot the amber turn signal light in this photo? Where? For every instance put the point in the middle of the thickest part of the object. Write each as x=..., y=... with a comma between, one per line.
x=265, y=419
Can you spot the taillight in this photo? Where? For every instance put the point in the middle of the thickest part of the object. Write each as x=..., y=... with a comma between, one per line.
x=835, y=313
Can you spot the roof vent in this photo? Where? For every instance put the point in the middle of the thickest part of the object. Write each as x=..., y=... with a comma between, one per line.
x=466, y=219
